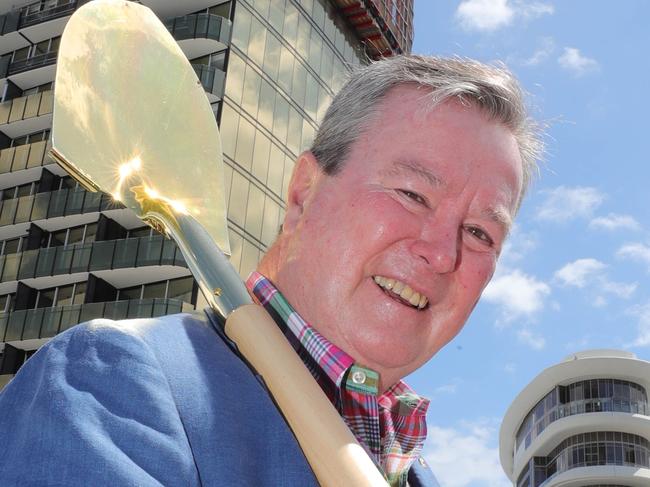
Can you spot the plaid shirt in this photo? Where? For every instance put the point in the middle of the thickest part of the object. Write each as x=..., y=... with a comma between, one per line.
x=390, y=426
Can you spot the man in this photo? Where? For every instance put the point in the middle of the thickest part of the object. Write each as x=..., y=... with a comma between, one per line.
x=395, y=219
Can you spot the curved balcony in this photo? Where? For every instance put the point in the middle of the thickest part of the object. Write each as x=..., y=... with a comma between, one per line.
x=25, y=156
x=212, y=79
x=590, y=450
x=200, y=34
x=53, y=204
x=47, y=322
x=27, y=114
x=608, y=395
x=96, y=256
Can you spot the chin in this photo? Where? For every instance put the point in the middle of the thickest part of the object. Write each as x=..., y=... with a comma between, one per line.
x=391, y=354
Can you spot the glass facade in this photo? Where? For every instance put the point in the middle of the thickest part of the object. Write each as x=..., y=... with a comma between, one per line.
x=47, y=322
x=286, y=61
x=588, y=396
x=587, y=450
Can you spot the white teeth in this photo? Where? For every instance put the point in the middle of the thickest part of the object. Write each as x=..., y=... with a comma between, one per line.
x=406, y=293
x=403, y=291
x=397, y=288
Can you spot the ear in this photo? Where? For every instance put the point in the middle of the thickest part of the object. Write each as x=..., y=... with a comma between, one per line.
x=305, y=175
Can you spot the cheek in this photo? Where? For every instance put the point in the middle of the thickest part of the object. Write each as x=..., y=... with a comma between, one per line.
x=478, y=272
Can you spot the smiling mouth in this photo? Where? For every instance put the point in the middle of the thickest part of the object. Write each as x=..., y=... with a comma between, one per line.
x=401, y=292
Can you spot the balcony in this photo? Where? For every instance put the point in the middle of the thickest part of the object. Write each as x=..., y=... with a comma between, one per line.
x=27, y=114
x=31, y=71
x=38, y=61
x=48, y=322
x=25, y=156
x=212, y=79
x=172, y=8
x=88, y=257
x=200, y=34
x=44, y=11
x=53, y=204
x=385, y=27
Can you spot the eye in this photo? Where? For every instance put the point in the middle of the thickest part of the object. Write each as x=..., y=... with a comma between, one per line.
x=480, y=234
x=413, y=196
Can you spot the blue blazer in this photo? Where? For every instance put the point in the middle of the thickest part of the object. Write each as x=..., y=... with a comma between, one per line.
x=147, y=402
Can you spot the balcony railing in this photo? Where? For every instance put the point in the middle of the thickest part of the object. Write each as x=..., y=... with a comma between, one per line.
x=53, y=204
x=47, y=322
x=88, y=257
x=26, y=107
x=38, y=61
x=25, y=157
x=42, y=11
x=200, y=26
x=212, y=79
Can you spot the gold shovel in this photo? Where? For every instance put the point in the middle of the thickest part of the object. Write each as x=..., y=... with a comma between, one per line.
x=132, y=119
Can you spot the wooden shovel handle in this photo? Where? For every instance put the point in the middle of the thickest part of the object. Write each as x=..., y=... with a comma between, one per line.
x=334, y=454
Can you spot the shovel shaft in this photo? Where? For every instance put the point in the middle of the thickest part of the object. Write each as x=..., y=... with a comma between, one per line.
x=335, y=456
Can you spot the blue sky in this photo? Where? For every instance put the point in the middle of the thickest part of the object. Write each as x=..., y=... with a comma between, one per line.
x=576, y=271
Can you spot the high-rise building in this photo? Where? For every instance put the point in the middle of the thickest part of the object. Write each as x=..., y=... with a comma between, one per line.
x=581, y=423
x=269, y=69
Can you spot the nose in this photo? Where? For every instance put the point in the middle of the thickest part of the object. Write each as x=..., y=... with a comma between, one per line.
x=439, y=246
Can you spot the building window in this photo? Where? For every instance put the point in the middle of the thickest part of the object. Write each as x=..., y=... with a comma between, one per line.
x=31, y=138
x=181, y=289
x=11, y=246
x=6, y=302
x=61, y=295
x=75, y=235
x=26, y=189
x=39, y=89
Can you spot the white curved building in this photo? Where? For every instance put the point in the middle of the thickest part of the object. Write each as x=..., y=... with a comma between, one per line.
x=581, y=423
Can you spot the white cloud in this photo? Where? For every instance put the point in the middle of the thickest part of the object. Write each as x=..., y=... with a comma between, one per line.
x=620, y=289
x=642, y=338
x=572, y=60
x=517, y=246
x=532, y=10
x=517, y=294
x=533, y=340
x=599, y=302
x=635, y=251
x=491, y=15
x=510, y=368
x=563, y=204
x=466, y=456
x=614, y=222
x=578, y=272
x=450, y=388
x=591, y=272
x=542, y=53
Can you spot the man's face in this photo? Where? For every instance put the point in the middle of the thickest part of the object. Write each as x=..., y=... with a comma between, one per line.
x=424, y=201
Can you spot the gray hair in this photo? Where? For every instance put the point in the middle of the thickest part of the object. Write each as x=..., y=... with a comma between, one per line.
x=491, y=88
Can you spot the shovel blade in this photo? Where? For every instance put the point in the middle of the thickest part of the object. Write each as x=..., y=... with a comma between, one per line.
x=132, y=118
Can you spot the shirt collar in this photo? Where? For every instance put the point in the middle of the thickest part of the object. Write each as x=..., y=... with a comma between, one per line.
x=333, y=361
